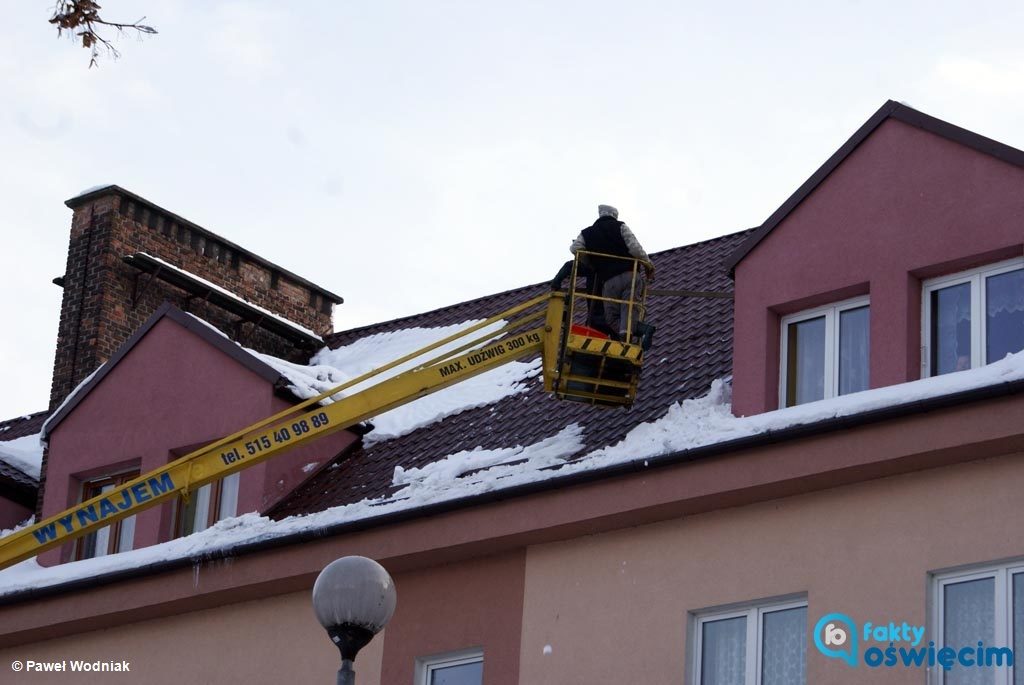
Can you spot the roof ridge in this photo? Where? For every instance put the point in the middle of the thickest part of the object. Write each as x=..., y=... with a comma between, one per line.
x=24, y=417
x=348, y=331
x=331, y=337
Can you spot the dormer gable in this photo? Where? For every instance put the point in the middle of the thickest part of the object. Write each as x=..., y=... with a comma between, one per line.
x=907, y=199
x=176, y=385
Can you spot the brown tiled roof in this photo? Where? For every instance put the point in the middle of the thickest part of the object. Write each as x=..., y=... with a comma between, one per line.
x=22, y=426
x=692, y=347
x=12, y=477
x=15, y=484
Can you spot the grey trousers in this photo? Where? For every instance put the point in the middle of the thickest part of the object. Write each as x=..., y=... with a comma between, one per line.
x=617, y=287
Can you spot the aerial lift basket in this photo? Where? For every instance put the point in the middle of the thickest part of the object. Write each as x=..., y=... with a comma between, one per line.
x=594, y=365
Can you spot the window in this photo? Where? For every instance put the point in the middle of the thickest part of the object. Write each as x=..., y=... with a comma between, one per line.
x=456, y=668
x=984, y=606
x=759, y=645
x=118, y=536
x=825, y=352
x=207, y=505
x=972, y=318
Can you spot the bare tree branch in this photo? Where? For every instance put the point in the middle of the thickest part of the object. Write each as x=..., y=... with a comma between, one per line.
x=82, y=17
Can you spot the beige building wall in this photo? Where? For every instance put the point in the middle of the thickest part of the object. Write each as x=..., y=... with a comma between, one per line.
x=615, y=607
x=274, y=640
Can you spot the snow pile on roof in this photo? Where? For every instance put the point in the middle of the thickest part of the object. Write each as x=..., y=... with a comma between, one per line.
x=24, y=524
x=24, y=453
x=479, y=465
x=686, y=425
x=329, y=368
x=709, y=420
x=305, y=380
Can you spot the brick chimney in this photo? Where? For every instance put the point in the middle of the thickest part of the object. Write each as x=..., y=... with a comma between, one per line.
x=106, y=297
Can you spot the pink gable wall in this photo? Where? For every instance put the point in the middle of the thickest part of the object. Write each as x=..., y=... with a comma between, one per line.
x=12, y=513
x=906, y=205
x=171, y=391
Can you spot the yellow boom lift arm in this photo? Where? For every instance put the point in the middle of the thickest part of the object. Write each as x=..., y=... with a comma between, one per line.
x=573, y=366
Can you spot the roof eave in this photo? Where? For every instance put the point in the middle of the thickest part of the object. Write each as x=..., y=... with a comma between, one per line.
x=769, y=437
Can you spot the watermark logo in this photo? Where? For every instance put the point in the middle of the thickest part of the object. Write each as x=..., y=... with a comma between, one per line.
x=891, y=645
x=835, y=636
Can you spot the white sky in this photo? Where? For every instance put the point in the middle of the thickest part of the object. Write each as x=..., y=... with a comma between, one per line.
x=407, y=155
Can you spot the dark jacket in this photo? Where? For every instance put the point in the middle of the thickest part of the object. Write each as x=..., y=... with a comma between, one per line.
x=605, y=236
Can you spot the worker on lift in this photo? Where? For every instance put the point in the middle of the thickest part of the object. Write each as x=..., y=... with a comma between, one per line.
x=595, y=308
x=610, y=236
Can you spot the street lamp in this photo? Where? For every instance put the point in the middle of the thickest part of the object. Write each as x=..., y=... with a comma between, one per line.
x=354, y=598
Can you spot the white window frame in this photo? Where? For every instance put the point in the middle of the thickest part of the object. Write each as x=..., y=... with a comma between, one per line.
x=979, y=331
x=223, y=492
x=1003, y=591
x=124, y=529
x=425, y=666
x=754, y=614
x=831, y=313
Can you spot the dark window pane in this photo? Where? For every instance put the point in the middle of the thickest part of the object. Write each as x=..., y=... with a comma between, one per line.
x=951, y=329
x=784, y=647
x=723, y=653
x=805, y=364
x=1004, y=315
x=463, y=674
x=854, y=345
x=969, y=617
x=117, y=537
x=88, y=546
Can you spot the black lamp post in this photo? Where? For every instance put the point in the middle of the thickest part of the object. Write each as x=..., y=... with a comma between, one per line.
x=354, y=598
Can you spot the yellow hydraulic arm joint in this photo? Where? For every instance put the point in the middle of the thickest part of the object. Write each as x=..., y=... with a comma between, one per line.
x=308, y=421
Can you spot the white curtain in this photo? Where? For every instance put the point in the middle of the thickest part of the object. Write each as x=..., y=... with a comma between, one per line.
x=784, y=647
x=723, y=654
x=969, y=616
x=854, y=349
x=1004, y=305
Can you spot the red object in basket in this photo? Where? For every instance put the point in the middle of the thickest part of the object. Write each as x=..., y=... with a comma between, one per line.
x=577, y=329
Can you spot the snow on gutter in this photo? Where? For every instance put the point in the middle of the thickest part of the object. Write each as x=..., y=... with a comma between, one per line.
x=689, y=430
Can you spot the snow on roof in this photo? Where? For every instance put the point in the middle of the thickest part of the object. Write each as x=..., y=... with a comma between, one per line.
x=328, y=369
x=233, y=296
x=24, y=524
x=374, y=351
x=24, y=453
x=93, y=189
x=686, y=425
